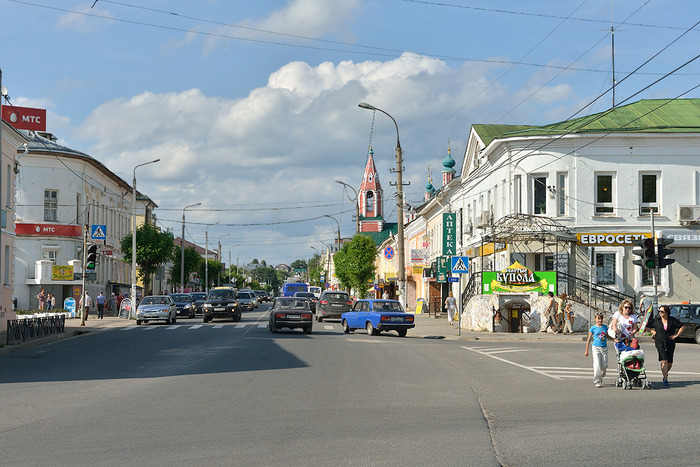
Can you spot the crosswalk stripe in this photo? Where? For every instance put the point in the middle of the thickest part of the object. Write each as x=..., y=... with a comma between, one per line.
x=219, y=326
x=240, y=325
x=264, y=325
x=128, y=328
x=196, y=326
x=151, y=328
x=173, y=327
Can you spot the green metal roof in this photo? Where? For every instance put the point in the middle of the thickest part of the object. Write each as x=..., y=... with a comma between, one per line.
x=648, y=116
x=379, y=237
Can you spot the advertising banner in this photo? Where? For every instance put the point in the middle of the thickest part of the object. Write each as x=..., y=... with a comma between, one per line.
x=449, y=233
x=517, y=278
x=62, y=273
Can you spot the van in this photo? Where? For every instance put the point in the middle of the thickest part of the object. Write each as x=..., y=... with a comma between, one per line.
x=315, y=290
x=290, y=288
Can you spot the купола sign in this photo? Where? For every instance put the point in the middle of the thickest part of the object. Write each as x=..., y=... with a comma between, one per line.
x=518, y=278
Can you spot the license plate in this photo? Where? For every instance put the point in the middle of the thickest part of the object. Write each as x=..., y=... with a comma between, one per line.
x=337, y=304
x=396, y=318
x=293, y=316
x=219, y=309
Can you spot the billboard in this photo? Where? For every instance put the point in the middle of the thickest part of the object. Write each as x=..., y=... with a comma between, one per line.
x=25, y=118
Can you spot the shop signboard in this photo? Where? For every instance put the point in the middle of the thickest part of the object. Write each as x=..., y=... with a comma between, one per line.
x=518, y=279
x=449, y=233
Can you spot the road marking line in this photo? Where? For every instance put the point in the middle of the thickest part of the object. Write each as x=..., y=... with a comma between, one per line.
x=262, y=325
x=196, y=326
x=173, y=327
x=149, y=329
x=510, y=350
x=129, y=328
x=328, y=327
x=241, y=325
x=218, y=326
x=512, y=363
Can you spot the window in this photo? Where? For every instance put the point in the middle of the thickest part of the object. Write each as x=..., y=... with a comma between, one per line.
x=77, y=208
x=6, y=275
x=50, y=253
x=370, y=202
x=604, y=190
x=544, y=262
x=539, y=195
x=51, y=205
x=648, y=277
x=649, y=187
x=562, y=202
x=605, y=268
x=518, y=194
x=8, y=185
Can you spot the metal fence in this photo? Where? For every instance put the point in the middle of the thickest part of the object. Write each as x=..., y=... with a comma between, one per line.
x=601, y=298
x=29, y=328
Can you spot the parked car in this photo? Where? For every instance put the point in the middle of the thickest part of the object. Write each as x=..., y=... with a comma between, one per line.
x=290, y=312
x=245, y=301
x=156, y=308
x=689, y=315
x=222, y=302
x=199, y=298
x=184, y=303
x=377, y=316
x=310, y=296
x=332, y=304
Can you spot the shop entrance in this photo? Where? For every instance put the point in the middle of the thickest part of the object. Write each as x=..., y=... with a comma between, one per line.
x=514, y=313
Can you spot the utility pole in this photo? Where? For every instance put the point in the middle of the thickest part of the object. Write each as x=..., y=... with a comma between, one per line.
x=83, y=317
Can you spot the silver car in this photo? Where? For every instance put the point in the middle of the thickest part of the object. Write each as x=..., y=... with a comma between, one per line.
x=156, y=308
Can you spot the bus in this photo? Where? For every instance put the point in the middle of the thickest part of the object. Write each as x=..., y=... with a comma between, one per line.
x=290, y=288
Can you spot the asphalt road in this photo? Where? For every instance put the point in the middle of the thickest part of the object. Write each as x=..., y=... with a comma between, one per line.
x=234, y=394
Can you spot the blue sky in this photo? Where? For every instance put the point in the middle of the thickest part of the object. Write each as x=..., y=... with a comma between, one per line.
x=252, y=105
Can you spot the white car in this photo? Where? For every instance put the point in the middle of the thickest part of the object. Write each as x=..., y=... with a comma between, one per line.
x=156, y=308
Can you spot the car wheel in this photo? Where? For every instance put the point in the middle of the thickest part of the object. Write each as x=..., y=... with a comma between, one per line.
x=138, y=322
x=697, y=336
x=319, y=318
x=402, y=332
x=167, y=320
x=174, y=320
x=346, y=328
x=370, y=329
x=273, y=328
x=205, y=319
x=307, y=330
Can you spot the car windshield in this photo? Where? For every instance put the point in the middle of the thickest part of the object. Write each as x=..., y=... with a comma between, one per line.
x=291, y=303
x=199, y=296
x=337, y=296
x=243, y=295
x=221, y=293
x=304, y=294
x=154, y=301
x=387, y=306
x=181, y=297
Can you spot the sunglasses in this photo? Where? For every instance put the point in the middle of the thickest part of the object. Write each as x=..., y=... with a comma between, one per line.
x=627, y=307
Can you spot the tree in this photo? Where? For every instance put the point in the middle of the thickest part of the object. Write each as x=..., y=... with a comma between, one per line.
x=299, y=264
x=354, y=264
x=192, y=262
x=215, y=270
x=153, y=248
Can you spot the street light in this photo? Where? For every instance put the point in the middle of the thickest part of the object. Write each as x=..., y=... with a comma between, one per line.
x=206, y=257
x=218, y=279
x=357, y=205
x=399, y=195
x=182, y=248
x=133, y=236
x=336, y=221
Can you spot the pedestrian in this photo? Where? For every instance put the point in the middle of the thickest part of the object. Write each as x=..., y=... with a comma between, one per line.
x=88, y=303
x=42, y=299
x=566, y=315
x=665, y=329
x=47, y=304
x=53, y=301
x=549, y=314
x=644, y=303
x=624, y=322
x=598, y=333
x=385, y=295
x=101, y=300
x=451, y=305
x=111, y=303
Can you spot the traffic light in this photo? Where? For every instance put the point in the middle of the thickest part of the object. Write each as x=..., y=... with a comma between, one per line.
x=663, y=252
x=91, y=257
x=646, y=253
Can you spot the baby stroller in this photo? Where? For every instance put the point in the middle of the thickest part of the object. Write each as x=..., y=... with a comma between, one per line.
x=630, y=365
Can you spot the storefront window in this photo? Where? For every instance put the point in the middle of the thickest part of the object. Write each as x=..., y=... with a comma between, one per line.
x=605, y=268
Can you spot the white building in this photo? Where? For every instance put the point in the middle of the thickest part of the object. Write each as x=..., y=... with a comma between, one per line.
x=59, y=192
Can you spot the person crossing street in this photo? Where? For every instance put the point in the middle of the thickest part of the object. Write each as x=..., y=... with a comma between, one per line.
x=101, y=300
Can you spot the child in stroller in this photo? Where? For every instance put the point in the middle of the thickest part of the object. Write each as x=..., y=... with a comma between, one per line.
x=630, y=364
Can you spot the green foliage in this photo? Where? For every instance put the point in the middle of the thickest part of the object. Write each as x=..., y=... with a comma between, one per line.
x=193, y=261
x=354, y=264
x=299, y=264
x=153, y=248
x=216, y=269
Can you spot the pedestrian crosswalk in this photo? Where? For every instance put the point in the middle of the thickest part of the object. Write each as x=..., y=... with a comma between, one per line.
x=554, y=372
x=254, y=324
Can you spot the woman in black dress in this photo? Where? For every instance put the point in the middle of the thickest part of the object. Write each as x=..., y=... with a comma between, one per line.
x=665, y=329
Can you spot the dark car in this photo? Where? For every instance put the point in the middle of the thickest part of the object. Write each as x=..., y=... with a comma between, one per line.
x=199, y=298
x=310, y=297
x=376, y=316
x=689, y=315
x=332, y=304
x=290, y=312
x=222, y=302
x=262, y=296
x=184, y=304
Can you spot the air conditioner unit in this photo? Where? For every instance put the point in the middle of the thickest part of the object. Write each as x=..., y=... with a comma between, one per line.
x=688, y=213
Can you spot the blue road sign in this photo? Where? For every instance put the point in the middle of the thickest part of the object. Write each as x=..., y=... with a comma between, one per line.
x=453, y=279
x=388, y=252
x=460, y=264
x=98, y=232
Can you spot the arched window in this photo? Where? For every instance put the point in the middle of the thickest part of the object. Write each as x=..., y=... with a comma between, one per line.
x=370, y=202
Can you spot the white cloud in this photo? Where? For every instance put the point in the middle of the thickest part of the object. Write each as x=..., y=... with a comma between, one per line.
x=84, y=19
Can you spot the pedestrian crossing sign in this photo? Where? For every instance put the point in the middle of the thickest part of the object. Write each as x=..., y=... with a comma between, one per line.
x=98, y=232
x=460, y=264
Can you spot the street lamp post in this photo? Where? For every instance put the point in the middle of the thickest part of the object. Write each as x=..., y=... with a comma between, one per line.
x=133, y=236
x=336, y=221
x=182, y=248
x=357, y=205
x=399, y=195
x=218, y=279
x=206, y=257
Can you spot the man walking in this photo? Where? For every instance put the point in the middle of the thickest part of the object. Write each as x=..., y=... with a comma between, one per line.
x=88, y=302
x=101, y=299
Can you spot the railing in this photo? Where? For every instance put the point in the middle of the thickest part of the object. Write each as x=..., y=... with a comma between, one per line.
x=472, y=288
x=23, y=329
x=601, y=298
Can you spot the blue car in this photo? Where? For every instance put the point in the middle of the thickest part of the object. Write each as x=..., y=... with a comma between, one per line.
x=376, y=316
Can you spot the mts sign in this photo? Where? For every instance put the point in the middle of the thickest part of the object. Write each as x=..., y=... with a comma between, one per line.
x=25, y=118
